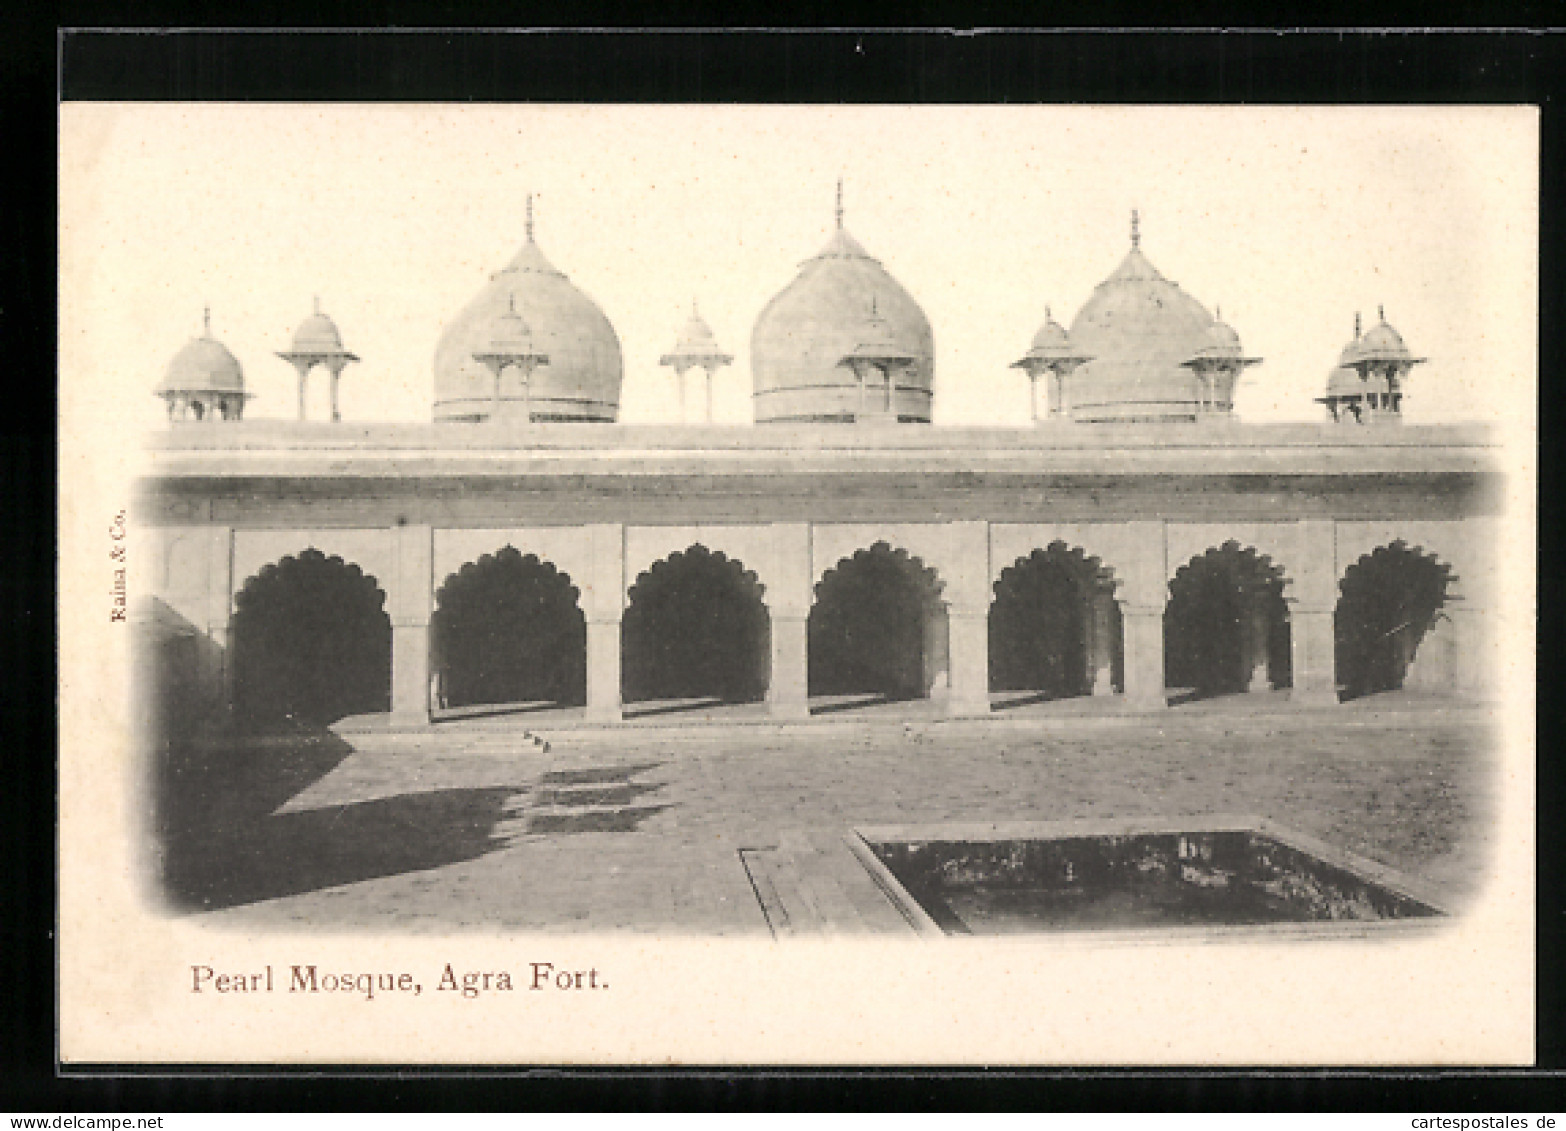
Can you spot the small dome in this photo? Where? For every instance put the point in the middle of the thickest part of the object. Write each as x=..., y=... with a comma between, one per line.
x=317, y=334
x=1050, y=344
x=1221, y=337
x=696, y=345
x=1345, y=382
x=878, y=342
x=509, y=338
x=1051, y=336
x=1383, y=343
x=1351, y=352
x=1222, y=344
x=582, y=378
x=1141, y=330
x=805, y=332
x=204, y=365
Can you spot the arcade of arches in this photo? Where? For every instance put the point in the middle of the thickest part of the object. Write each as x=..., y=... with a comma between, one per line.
x=311, y=639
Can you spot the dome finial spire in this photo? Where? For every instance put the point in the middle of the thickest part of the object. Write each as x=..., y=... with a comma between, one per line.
x=317, y=299
x=1381, y=312
x=1358, y=326
x=529, y=217
x=206, y=320
x=1217, y=313
x=1136, y=228
x=839, y=201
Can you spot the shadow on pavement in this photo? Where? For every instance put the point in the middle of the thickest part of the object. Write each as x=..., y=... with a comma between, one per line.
x=222, y=843
x=649, y=709
x=268, y=857
x=605, y=775
x=613, y=821
x=605, y=795
x=856, y=702
x=1024, y=699
x=493, y=710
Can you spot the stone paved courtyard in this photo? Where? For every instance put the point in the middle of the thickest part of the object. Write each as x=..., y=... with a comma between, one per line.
x=678, y=829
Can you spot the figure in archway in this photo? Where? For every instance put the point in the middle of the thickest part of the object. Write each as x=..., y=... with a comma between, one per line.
x=312, y=644
x=695, y=627
x=1390, y=603
x=507, y=629
x=878, y=626
x=1054, y=626
x=1226, y=626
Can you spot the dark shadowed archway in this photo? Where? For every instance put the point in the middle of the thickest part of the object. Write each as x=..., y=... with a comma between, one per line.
x=1389, y=601
x=312, y=643
x=695, y=627
x=507, y=629
x=878, y=626
x=1226, y=626
x=1054, y=625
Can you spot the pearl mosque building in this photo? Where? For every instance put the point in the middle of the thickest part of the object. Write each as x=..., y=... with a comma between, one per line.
x=1137, y=546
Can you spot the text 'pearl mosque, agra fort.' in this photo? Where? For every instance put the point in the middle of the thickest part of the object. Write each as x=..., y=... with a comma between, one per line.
x=1136, y=545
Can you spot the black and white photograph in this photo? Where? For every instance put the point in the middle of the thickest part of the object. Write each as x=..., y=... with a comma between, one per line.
x=1009, y=584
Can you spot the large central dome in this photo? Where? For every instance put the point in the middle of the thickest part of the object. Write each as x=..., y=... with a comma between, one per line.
x=1139, y=328
x=805, y=332
x=581, y=380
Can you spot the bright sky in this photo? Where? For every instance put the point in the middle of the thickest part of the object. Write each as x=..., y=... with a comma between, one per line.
x=1289, y=219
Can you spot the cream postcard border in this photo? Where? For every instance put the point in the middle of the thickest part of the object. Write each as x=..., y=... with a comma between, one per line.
x=1462, y=995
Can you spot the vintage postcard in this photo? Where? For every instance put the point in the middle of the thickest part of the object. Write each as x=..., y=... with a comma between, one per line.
x=1005, y=585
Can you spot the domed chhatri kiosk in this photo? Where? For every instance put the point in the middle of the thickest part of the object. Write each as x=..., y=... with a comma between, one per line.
x=1368, y=384
x=842, y=301
x=580, y=381
x=1126, y=553
x=1052, y=358
x=696, y=348
x=317, y=342
x=204, y=381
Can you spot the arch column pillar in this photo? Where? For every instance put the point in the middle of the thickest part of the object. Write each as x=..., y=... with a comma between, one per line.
x=604, y=606
x=1473, y=654
x=603, y=671
x=412, y=596
x=1313, y=651
x=1312, y=617
x=1144, y=639
x=968, y=619
x=1146, y=595
x=218, y=677
x=788, y=605
x=969, y=635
